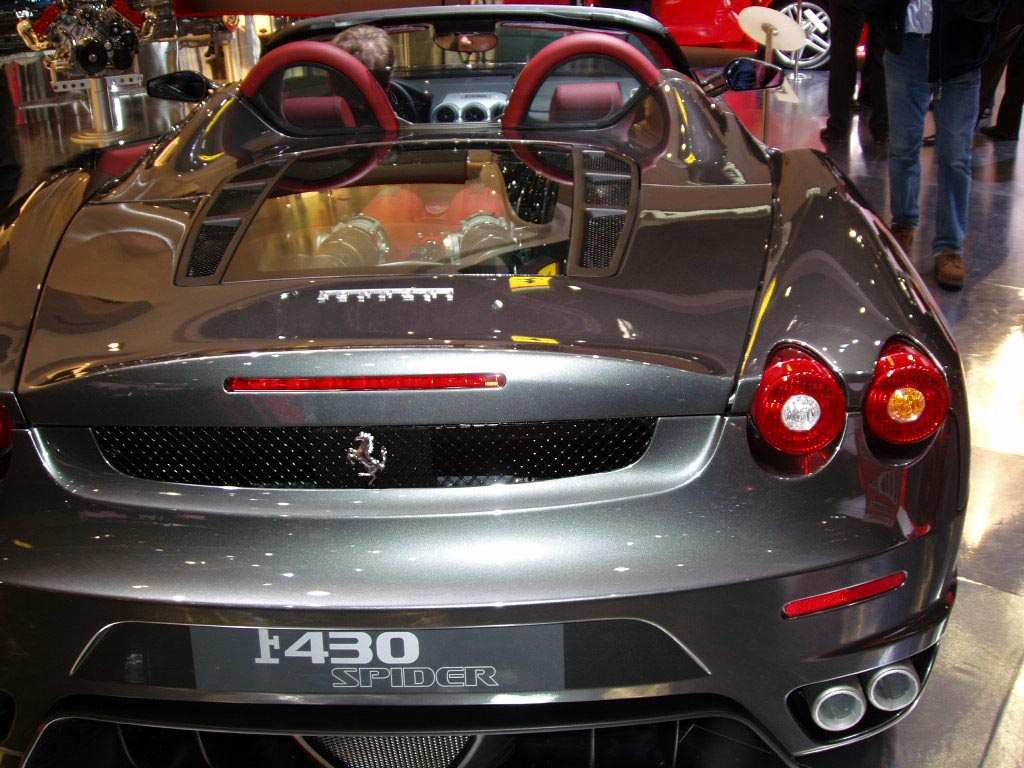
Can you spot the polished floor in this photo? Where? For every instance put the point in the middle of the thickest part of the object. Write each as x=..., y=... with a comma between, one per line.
x=972, y=713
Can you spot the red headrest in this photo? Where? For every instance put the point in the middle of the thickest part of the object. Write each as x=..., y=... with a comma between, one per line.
x=315, y=53
x=570, y=47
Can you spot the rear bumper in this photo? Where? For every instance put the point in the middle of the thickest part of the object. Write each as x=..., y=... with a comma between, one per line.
x=716, y=652
x=665, y=604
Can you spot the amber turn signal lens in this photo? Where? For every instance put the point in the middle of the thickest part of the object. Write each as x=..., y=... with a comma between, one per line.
x=906, y=405
x=907, y=399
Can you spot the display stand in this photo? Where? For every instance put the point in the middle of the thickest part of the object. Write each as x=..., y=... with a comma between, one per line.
x=796, y=75
x=775, y=31
x=104, y=129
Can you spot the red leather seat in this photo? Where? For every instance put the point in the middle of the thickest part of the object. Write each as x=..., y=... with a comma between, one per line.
x=584, y=102
x=263, y=86
x=554, y=54
x=317, y=112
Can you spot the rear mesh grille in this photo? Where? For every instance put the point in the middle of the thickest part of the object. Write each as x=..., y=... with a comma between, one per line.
x=449, y=456
x=389, y=751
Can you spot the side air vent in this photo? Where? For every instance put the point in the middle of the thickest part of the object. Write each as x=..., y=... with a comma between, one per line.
x=223, y=222
x=236, y=200
x=602, y=163
x=259, y=173
x=211, y=244
x=602, y=236
x=606, y=194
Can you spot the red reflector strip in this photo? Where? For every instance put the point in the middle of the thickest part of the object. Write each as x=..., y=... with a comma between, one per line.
x=842, y=597
x=367, y=383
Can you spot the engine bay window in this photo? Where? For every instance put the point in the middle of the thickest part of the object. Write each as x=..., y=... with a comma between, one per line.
x=413, y=209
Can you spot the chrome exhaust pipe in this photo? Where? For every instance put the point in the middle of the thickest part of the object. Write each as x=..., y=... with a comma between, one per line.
x=892, y=688
x=837, y=706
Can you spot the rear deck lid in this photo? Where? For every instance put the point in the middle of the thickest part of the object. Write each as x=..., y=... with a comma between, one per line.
x=550, y=265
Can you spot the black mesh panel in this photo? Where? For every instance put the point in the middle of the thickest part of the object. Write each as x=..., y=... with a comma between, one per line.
x=412, y=457
x=211, y=244
x=600, y=162
x=532, y=196
x=236, y=200
x=390, y=751
x=611, y=193
x=602, y=237
x=258, y=173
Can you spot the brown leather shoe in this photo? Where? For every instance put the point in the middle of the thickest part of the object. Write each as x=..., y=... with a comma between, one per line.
x=903, y=234
x=950, y=271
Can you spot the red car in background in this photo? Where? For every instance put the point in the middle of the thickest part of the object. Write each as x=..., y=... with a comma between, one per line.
x=715, y=24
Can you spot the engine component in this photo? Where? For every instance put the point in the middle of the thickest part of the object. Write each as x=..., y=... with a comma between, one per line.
x=483, y=232
x=359, y=242
x=89, y=38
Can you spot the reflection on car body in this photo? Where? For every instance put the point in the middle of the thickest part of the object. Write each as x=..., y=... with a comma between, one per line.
x=326, y=431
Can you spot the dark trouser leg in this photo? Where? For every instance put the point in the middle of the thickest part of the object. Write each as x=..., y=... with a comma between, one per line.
x=879, y=120
x=1011, y=27
x=847, y=24
x=1009, y=116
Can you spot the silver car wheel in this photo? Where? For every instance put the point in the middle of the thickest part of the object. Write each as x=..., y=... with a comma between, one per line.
x=817, y=25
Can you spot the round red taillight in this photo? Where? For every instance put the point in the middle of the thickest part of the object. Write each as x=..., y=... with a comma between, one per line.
x=907, y=399
x=800, y=406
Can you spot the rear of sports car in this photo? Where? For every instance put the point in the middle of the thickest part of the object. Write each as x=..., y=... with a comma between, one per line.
x=461, y=451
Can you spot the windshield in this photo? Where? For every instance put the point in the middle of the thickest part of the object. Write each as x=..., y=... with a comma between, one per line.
x=421, y=48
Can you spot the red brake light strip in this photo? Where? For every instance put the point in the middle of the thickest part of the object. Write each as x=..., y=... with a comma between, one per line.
x=842, y=597
x=366, y=383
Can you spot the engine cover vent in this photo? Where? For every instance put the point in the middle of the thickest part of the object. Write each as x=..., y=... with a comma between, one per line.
x=223, y=222
x=607, y=192
x=211, y=243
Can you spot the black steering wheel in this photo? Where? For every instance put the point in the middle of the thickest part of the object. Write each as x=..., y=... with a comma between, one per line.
x=402, y=101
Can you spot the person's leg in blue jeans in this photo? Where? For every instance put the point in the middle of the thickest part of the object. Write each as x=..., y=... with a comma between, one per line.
x=955, y=111
x=908, y=94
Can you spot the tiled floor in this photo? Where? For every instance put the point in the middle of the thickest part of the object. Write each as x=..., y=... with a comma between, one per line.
x=972, y=713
